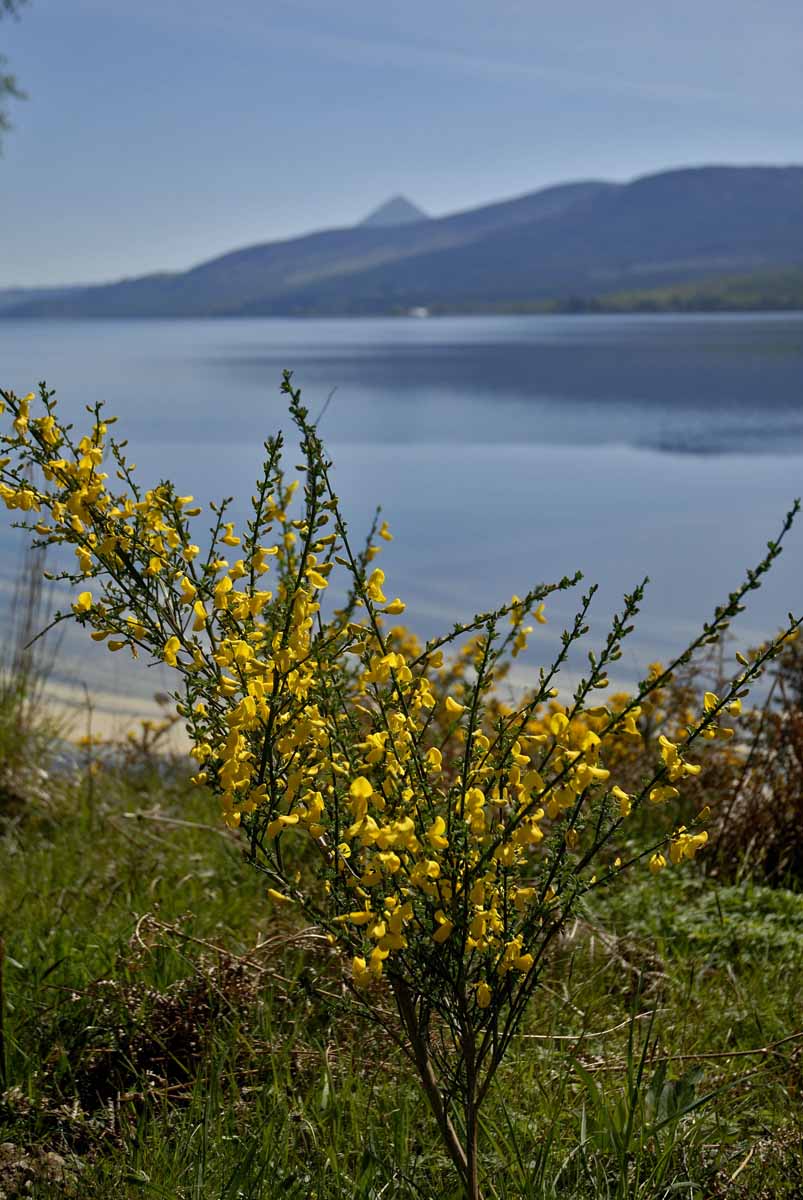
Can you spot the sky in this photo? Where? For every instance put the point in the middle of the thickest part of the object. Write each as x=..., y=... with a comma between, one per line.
x=159, y=133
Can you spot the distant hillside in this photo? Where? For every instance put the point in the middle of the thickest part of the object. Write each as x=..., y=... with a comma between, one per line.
x=778, y=291
x=11, y=298
x=760, y=291
x=262, y=275
x=583, y=240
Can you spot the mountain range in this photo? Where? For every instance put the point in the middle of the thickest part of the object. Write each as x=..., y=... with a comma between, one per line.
x=569, y=246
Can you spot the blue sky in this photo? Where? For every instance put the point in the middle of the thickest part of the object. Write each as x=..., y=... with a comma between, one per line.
x=161, y=132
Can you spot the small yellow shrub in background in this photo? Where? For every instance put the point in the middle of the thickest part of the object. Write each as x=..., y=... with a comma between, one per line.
x=451, y=836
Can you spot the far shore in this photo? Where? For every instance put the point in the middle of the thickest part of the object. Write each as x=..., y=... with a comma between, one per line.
x=108, y=715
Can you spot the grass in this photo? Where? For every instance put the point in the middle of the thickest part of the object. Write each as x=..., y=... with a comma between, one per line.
x=167, y=1033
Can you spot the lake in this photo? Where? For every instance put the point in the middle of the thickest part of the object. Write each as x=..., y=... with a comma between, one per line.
x=505, y=451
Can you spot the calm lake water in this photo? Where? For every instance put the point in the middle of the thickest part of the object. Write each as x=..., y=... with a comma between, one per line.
x=504, y=451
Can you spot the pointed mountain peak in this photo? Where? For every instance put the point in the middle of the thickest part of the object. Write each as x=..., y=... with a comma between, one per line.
x=396, y=211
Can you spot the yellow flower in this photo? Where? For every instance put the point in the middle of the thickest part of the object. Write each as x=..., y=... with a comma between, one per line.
x=445, y=927
x=258, y=561
x=558, y=723
x=685, y=845
x=360, y=972
x=625, y=802
x=434, y=759
x=360, y=917
x=378, y=956
x=280, y=823
x=483, y=994
x=229, y=538
x=48, y=429
x=171, y=649
x=395, y=607
x=435, y=834
x=373, y=588
x=451, y=705
x=136, y=628
x=361, y=789
x=188, y=591
x=316, y=579
x=662, y=793
x=657, y=863
x=222, y=589
x=385, y=533
x=83, y=603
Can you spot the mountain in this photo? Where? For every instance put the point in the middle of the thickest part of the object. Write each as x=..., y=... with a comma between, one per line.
x=779, y=290
x=15, y=297
x=247, y=279
x=396, y=211
x=571, y=243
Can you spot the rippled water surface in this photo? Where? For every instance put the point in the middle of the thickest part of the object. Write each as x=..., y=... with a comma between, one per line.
x=504, y=451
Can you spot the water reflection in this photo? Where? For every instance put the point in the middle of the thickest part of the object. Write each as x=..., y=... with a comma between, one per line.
x=504, y=451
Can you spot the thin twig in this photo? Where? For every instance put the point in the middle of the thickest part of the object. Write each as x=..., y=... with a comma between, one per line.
x=226, y=833
x=579, y=1037
x=706, y=1054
